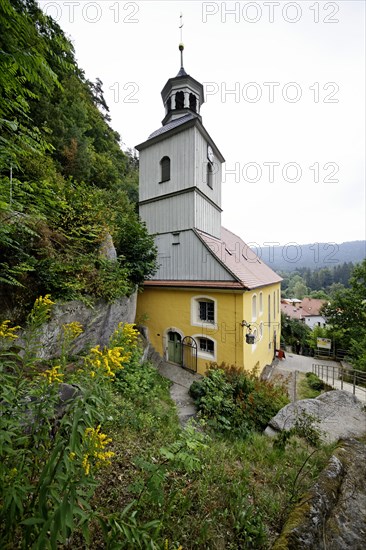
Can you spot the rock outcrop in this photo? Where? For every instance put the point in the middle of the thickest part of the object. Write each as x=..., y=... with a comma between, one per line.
x=338, y=415
x=99, y=322
x=332, y=515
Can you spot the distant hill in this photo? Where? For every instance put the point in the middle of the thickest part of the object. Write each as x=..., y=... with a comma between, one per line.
x=292, y=256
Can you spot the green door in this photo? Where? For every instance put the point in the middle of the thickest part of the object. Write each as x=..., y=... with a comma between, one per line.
x=174, y=347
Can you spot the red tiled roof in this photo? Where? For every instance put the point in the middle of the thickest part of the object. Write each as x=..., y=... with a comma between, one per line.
x=312, y=306
x=239, y=259
x=306, y=308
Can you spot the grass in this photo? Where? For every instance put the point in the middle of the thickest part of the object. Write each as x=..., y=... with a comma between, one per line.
x=236, y=494
x=310, y=386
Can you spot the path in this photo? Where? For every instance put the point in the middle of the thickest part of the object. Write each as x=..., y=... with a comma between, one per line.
x=293, y=363
x=182, y=380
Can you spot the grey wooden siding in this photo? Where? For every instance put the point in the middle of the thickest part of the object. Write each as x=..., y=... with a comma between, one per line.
x=208, y=218
x=189, y=260
x=201, y=170
x=180, y=150
x=169, y=214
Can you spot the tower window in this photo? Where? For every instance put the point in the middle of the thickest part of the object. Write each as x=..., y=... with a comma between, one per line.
x=193, y=102
x=169, y=104
x=165, y=169
x=179, y=100
x=209, y=174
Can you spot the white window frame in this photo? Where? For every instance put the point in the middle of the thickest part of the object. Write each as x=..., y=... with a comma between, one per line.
x=203, y=354
x=254, y=313
x=195, y=318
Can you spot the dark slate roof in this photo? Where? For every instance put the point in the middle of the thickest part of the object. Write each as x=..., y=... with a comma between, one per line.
x=173, y=124
x=182, y=72
x=237, y=256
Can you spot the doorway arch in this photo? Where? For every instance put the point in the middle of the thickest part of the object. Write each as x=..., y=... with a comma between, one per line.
x=174, y=346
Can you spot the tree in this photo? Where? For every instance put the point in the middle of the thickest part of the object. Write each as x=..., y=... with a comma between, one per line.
x=346, y=313
x=23, y=79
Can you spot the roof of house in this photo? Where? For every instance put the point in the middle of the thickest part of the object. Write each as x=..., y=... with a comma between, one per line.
x=239, y=259
x=307, y=307
x=312, y=306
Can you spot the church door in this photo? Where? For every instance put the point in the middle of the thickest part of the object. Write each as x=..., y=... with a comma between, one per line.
x=174, y=347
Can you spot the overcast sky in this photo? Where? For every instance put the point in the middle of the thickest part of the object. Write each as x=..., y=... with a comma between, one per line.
x=285, y=86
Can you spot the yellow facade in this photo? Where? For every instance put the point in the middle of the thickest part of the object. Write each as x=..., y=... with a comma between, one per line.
x=174, y=311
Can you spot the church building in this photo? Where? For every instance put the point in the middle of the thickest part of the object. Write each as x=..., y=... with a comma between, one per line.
x=212, y=299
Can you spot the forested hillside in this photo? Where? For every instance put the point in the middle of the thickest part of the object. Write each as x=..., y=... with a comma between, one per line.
x=65, y=184
x=292, y=256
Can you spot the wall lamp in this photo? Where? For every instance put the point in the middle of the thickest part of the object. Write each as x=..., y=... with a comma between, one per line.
x=249, y=337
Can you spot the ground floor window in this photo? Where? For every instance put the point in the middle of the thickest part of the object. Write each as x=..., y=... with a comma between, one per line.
x=206, y=345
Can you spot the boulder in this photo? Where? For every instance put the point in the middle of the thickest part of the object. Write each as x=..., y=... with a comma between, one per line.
x=332, y=514
x=338, y=413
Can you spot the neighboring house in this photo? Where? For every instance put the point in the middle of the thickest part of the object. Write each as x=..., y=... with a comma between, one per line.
x=209, y=285
x=306, y=310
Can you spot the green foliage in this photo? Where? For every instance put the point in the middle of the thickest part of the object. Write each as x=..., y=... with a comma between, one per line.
x=314, y=382
x=346, y=313
x=71, y=183
x=236, y=402
x=305, y=427
x=321, y=282
x=293, y=330
x=23, y=79
x=51, y=451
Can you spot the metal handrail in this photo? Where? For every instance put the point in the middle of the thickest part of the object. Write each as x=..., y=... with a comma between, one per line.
x=330, y=373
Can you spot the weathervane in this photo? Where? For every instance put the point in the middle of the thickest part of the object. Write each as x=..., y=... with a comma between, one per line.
x=181, y=45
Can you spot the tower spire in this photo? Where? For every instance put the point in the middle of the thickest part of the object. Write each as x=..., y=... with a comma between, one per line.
x=182, y=72
x=181, y=45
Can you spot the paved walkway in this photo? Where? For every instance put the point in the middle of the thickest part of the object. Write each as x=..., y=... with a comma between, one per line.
x=182, y=380
x=299, y=363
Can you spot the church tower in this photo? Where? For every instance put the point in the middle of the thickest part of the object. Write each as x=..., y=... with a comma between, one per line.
x=180, y=172
x=210, y=288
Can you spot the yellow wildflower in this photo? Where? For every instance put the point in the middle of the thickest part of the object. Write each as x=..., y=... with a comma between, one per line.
x=72, y=456
x=96, y=442
x=53, y=375
x=44, y=301
x=72, y=330
x=107, y=361
x=7, y=332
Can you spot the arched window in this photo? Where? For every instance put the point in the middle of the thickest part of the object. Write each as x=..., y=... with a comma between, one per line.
x=203, y=311
x=165, y=169
x=206, y=345
x=193, y=102
x=179, y=100
x=260, y=303
x=209, y=174
x=254, y=307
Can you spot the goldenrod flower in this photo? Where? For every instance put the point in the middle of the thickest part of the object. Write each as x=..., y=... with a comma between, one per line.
x=107, y=361
x=6, y=332
x=53, y=375
x=96, y=442
x=44, y=301
x=72, y=330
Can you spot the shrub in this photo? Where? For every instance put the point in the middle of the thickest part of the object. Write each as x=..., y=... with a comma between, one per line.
x=233, y=399
x=314, y=382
